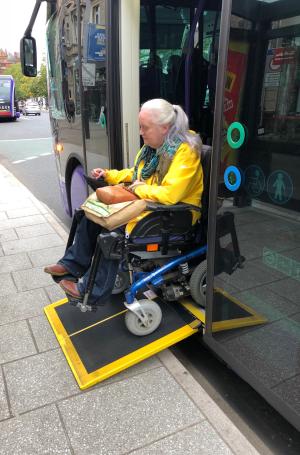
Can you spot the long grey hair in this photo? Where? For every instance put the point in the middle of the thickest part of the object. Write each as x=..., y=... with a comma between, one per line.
x=165, y=113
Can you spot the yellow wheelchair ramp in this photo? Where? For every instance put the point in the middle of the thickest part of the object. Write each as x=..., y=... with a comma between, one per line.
x=98, y=345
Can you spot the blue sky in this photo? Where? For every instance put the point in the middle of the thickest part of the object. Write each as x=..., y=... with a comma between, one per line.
x=15, y=15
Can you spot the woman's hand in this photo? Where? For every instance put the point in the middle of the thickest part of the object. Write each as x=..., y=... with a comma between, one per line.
x=97, y=173
x=134, y=185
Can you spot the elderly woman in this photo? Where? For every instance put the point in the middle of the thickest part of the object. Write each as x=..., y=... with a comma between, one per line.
x=166, y=170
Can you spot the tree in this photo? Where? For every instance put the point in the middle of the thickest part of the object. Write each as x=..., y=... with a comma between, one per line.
x=41, y=82
x=28, y=87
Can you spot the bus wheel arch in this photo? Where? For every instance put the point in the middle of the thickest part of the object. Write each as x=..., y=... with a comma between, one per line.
x=75, y=185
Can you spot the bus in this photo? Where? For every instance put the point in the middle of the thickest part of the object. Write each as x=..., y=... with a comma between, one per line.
x=234, y=66
x=8, y=103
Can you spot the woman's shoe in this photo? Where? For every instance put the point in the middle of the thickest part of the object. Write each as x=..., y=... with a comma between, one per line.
x=70, y=288
x=56, y=270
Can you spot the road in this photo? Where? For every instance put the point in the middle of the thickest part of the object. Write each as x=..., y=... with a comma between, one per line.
x=25, y=150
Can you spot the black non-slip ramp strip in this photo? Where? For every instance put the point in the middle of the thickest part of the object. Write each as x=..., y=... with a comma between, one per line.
x=102, y=344
x=74, y=320
x=225, y=309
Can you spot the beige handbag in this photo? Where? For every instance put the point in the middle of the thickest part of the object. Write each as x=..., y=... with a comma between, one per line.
x=114, y=215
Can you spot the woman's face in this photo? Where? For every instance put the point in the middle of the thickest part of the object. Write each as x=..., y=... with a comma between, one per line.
x=152, y=133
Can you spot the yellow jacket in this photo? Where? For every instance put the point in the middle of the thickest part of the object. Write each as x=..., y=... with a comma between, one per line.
x=182, y=183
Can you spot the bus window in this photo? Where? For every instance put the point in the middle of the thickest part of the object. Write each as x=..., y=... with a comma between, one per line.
x=94, y=79
x=163, y=30
x=165, y=50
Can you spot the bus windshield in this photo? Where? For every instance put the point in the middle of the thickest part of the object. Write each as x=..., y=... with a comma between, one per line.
x=5, y=91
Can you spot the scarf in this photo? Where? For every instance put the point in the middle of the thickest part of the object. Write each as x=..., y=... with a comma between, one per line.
x=156, y=160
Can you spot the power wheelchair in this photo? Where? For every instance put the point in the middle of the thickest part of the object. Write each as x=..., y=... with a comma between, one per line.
x=164, y=256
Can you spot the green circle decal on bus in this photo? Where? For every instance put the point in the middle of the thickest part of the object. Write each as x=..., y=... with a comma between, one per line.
x=242, y=134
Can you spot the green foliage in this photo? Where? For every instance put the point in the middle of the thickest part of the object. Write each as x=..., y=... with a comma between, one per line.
x=28, y=87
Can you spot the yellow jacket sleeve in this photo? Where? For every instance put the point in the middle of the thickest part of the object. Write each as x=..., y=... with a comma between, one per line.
x=182, y=183
x=113, y=176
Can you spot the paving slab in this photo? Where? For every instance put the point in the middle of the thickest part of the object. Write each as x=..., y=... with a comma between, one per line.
x=6, y=223
x=14, y=262
x=115, y=419
x=55, y=293
x=250, y=276
x=31, y=279
x=15, y=342
x=146, y=365
x=38, y=432
x=26, y=232
x=4, y=411
x=7, y=234
x=16, y=307
x=288, y=288
x=39, y=380
x=14, y=203
x=17, y=213
x=32, y=244
x=272, y=361
x=200, y=439
x=266, y=302
x=7, y=285
x=46, y=256
x=288, y=391
x=43, y=334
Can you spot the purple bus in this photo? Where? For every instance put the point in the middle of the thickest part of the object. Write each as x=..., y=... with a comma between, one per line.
x=8, y=103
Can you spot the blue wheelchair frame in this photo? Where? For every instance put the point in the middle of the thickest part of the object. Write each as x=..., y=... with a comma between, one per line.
x=156, y=278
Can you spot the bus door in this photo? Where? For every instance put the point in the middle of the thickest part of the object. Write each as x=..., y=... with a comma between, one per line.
x=253, y=314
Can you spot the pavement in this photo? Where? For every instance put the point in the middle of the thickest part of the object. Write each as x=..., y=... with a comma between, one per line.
x=155, y=407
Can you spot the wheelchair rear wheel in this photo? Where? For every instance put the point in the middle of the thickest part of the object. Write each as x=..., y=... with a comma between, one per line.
x=122, y=282
x=198, y=284
x=135, y=325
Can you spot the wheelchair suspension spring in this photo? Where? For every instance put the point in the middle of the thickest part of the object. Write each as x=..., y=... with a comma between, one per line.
x=184, y=268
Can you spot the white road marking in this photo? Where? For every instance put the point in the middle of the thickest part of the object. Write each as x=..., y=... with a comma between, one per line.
x=33, y=139
x=30, y=158
x=46, y=154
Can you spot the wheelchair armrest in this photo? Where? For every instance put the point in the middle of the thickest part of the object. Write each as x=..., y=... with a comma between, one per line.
x=157, y=207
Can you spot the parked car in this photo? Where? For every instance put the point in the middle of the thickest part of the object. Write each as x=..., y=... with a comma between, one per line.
x=32, y=107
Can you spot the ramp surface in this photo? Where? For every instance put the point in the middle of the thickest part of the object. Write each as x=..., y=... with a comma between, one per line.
x=98, y=345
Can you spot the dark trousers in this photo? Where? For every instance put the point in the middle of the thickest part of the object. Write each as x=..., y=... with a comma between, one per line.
x=78, y=257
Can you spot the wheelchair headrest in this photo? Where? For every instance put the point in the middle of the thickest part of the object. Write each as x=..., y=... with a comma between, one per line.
x=206, y=163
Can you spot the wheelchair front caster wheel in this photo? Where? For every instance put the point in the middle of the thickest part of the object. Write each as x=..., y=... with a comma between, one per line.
x=135, y=325
x=198, y=284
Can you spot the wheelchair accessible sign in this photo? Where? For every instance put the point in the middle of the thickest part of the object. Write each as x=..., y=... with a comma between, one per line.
x=232, y=175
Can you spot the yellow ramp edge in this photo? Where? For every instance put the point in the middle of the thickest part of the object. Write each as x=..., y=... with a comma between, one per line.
x=254, y=318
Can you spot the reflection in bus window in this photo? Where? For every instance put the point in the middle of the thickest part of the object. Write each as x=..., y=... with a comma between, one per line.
x=281, y=91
